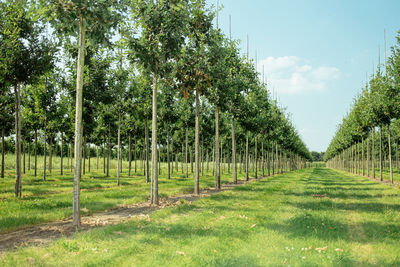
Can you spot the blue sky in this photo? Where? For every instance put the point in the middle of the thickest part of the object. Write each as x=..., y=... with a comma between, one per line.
x=316, y=54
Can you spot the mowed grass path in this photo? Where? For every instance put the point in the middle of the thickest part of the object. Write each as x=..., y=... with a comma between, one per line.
x=312, y=217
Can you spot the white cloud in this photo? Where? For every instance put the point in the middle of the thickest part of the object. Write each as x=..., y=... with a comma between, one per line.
x=292, y=75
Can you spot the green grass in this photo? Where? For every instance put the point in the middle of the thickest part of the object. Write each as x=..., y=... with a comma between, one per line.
x=277, y=221
x=51, y=200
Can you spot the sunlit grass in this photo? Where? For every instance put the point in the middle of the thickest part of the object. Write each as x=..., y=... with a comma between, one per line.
x=312, y=217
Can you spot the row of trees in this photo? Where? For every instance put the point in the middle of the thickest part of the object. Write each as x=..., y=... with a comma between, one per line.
x=371, y=130
x=99, y=74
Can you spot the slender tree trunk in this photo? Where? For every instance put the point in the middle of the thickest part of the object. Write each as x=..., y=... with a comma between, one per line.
x=247, y=155
x=108, y=152
x=29, y=155
x=134, y=155
x=234, y=171
x=217, y=166
x=2, y=152
x=97, y=157
x=36, y=150
x=380, y=154
x=147, y=151
x=62, y=156
x=88, y=155
x=18, y=185
x=196, y=147
x=362, y=156
x=23, y=148
x=51, y=154
x=104, y=155
x=76, y=219
x=186, y=152
x=44, y=151
x=373, y=152
x=390, y=155
x=368, y=156
x=130, y=155
x=168, y=161
x=154, y=171
x=255, y=156
x=118, y=147
x=262, y=155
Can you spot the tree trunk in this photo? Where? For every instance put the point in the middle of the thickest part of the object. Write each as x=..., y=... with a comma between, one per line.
x=362, y=156
x=168, y=161
x=247, y=155
x=186, y=153
x=234, y=171
x=62, y=143
x=196, y=147
x=134, y=155
x=217, y=167
x=373, y=152
x=147, y=150
x=88, y=155
x=390, y=155
x=380, y=154
x=51, y=154
x=18, y=184
x=119, y=146
x=154, y=171
x=23, y=148
x=255, y=156
x=76, y=219
x=36, y=150
x=262, y=155
x=29, y=156
x=104, y=155
x=129, y=155
x=368, y=155
x=44, y=151
x=2, y=152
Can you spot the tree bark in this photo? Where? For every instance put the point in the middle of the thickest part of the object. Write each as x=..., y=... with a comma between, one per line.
x=2, y=152
x=380, y=154
x=23, y=148
x=168, y=161
x=44, y=151
x=234, y=171
x=129, y=155
x=147, y=150
x=217, y=167
x=51, y=154
x=186, y=152
x=196, y=147
x=18, y=184
x=76, y=219
x=154, y=171
x=62, y=143
x=390, y=155
x=119, y=146
x=247, y=155
x=255, y=156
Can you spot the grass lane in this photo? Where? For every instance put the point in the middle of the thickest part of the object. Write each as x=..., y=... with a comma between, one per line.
x=313, y=217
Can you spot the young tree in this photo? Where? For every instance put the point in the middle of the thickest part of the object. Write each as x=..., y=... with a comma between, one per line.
x=25, y=56
x=89, y=20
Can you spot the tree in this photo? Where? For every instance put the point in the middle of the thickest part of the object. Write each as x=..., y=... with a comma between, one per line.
x=161, y=25
x=25, y=56
x=89, y=20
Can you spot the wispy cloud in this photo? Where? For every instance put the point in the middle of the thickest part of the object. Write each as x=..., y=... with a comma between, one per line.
x=292, y=75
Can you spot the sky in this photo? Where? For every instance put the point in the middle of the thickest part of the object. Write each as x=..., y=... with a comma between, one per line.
x=316, y=54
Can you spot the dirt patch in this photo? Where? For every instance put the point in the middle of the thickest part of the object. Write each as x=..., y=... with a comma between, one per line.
x=47, y=232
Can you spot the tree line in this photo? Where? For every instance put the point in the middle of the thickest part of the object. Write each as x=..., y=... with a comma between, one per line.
x=138, y=79
x=367, y=139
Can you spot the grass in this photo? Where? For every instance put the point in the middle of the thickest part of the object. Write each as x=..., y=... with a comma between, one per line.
x=51, y=200
x=312, y=217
